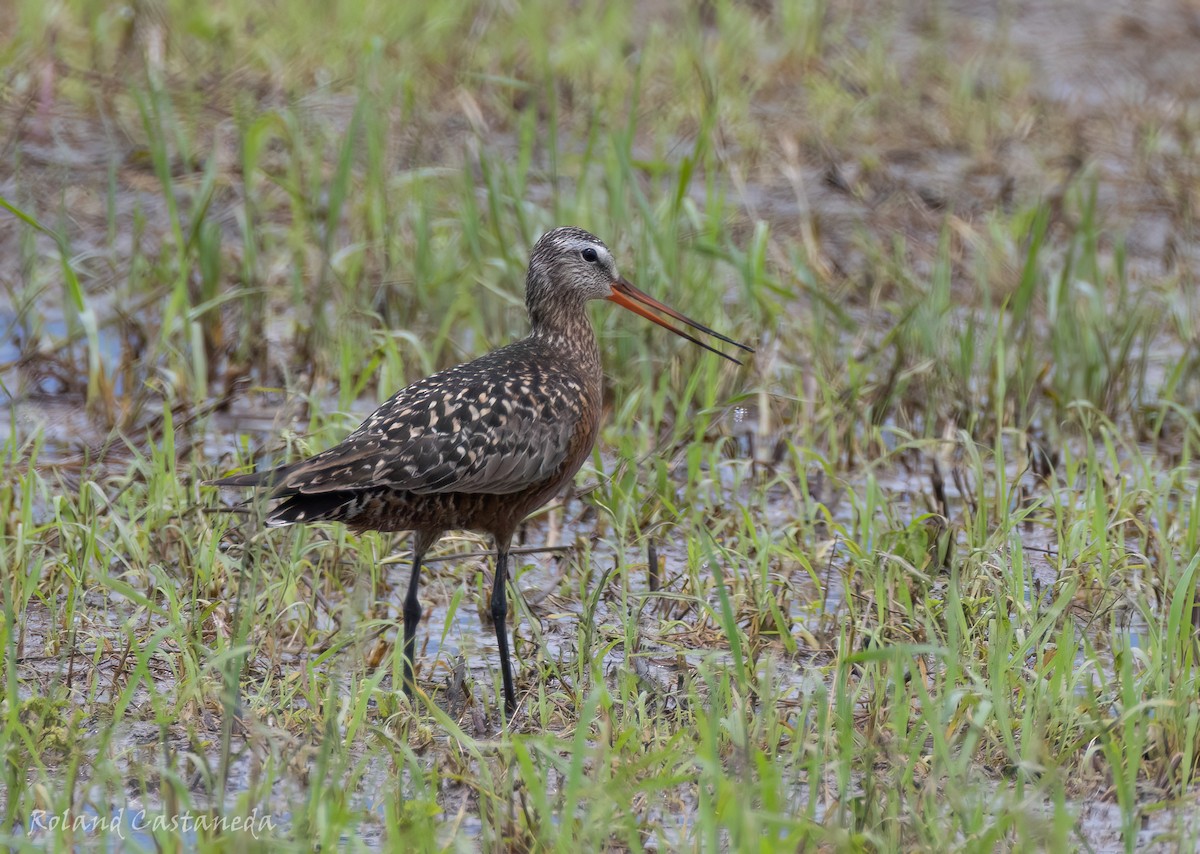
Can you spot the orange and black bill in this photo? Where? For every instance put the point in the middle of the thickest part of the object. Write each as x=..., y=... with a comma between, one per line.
x=627, y=296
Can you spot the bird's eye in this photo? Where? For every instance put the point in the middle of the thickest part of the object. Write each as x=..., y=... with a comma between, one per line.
x=590, y=255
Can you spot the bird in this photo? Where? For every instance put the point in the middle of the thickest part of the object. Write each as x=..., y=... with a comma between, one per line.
x=482, y=445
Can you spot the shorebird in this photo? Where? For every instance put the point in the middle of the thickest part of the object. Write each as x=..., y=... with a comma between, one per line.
x=482, y=445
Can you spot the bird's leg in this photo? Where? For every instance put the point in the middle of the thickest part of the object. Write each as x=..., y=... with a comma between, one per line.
x=412, y=613
x=500, y=619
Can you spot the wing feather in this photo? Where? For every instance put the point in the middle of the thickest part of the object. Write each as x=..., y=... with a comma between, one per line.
x=481, y=427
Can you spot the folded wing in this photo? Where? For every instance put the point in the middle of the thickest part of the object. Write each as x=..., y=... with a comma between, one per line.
x=470, y=429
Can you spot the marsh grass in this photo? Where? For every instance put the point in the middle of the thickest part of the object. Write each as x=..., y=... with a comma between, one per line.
x=928, y=563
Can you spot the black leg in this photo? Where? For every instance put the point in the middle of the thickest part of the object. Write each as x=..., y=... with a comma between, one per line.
x=500, y=618
x=412, y=609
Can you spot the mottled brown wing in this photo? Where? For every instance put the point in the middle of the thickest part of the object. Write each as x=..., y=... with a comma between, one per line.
x=481, y=427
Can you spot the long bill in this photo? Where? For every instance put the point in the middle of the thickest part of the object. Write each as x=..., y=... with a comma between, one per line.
x=627, y=296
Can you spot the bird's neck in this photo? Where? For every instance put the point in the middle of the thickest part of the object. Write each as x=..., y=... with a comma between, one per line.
x=570, y=334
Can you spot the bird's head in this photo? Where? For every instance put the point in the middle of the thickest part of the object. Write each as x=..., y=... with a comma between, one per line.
x=570, y=266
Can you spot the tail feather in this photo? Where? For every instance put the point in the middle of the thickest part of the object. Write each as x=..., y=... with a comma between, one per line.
x=293, y=505
x=313, y=507
x=265, y=477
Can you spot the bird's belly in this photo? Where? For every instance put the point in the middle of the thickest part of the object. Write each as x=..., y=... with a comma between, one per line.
x=398, y=510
